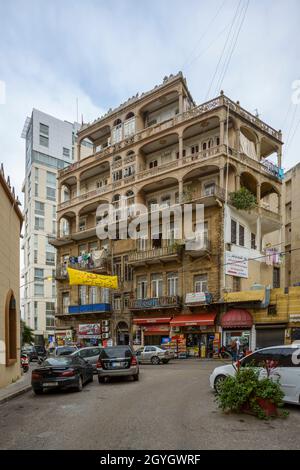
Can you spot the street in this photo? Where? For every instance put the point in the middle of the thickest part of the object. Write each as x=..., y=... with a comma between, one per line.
x=171, y=407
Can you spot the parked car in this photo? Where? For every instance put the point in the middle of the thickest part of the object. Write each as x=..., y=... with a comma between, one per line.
x=117, y=361
x=41, y=350
x=153, y=355
x=64, y=350
x=90, y=354
x=61, y=373
x=31, y=352
x=287, y=369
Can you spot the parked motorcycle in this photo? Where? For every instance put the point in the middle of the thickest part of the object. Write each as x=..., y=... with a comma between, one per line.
x=25, y=362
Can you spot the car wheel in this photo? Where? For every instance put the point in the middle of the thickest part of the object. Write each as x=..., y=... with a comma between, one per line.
x=80, y=384
x=136, y=377
x=38, y=391
x=218, y=382
x=155, y=360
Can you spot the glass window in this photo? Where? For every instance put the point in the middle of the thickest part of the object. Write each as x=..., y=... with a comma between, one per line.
x=200, y=283
x=233, y=231
x=172, y=283
x=44, y=141
x=50, y=194
x=38, y=289
x=129, y=127
x=50, y=258
x=241, y=235
x=39, y=208
x=44, y=129
x=38, y=223
x=66, y=152
x=157, y=285
x=141, y=287
x=82, y=295
x=38, y=274
x=51, y=179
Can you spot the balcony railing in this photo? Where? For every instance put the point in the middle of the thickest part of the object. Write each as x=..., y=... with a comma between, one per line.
x=154, y=302
x=89, y=308
x=152, y=254
x=92, y=265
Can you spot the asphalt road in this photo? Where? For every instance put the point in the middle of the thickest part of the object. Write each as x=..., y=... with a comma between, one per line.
x=171, y=407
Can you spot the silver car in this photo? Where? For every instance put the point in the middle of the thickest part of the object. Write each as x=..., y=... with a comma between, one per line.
x=153, y=355
x=89, y=354
x=117, y=361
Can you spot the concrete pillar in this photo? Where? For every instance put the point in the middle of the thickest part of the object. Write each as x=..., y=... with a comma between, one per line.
x=165, y=283
x=221, y=177
x=279, y=157
x=258, y=150
x=222, y=128
x=180, y=190
x=253, y=338
x=237, y=181
x=59, y=193
x=180, y=146
x=180, y=102
x=258, y=193
x=58, y=228
x=258, y=232
x=237, y=141
x=78, y=150
x=78, y=187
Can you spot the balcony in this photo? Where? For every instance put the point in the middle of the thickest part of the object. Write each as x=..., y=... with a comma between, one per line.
x=89, y=308
x=197, y=246
x=164, y=254
x=154, y=303
x=96, y=265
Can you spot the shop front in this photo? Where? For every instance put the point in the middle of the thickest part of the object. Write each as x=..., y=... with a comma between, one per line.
x=196, y=333
x=89, y=334
x=151, y=331
x=237, y=326
x=63, y=337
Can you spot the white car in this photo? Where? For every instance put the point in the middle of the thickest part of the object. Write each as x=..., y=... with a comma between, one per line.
x=287, y=358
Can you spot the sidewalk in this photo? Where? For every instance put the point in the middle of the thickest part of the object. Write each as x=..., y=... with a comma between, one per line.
x=13, y=390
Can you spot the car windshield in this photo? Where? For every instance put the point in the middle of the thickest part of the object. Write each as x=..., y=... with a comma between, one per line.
x=110, y=353
x=57, y=361
x=65, y=351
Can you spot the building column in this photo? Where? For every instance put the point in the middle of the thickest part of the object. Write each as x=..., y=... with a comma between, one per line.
x=78, y=150
x=77, y=223
x=258, y=149
x=180, y=102
x=180, y=146
x=237, y=141
x=237, y=182
x=165, y=284
x=59, y=193
x=258, y=193
x=258, y=233
x=279, y=157
x=222, y=131
x=180, y=190
x=77, y=187
x=58, y=228
x=221, y=177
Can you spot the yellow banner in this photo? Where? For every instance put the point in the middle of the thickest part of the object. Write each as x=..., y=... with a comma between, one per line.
x=83, y=278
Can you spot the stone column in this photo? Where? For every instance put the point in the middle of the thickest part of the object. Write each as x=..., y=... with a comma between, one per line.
x=180, y=102
x=78, y=150
x=258, y=149
x=78, y=187
x=59, y=193
x=222, y=130
x=180, y=146
x=237, y=141
x=258, y=193
x=237, y=181
x=57, y=228
x=279, y=157
x=221, y=177
x=180, y=190
x=258, y=232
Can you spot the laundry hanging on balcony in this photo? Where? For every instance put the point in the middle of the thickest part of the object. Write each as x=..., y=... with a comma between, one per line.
x=272, y=256
x=83, y=278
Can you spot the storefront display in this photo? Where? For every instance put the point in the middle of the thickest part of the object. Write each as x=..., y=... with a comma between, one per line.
x=151, y=330
x=89, y=334
x=236, y=326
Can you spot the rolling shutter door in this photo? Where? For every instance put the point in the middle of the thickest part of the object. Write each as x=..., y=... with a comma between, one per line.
x=266, y=337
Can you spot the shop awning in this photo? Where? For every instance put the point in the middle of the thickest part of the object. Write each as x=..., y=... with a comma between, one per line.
x=204, y=319
x=157, y=330
x=237, y=318
x=256, y=295
x=145, y=321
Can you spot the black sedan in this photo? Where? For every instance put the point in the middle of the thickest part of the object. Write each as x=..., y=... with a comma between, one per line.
x=61, y=373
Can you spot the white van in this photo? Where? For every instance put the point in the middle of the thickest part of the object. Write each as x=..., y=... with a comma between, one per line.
x=287, y=371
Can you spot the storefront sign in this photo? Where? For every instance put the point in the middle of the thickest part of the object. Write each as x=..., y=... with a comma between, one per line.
x=236, y=265
x=89, y=330
x=197, y=298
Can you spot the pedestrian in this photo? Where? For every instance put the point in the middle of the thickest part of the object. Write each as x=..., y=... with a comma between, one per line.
x=233, y=348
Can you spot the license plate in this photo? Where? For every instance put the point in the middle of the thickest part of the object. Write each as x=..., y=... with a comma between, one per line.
x=116, y=364
x=50, y=384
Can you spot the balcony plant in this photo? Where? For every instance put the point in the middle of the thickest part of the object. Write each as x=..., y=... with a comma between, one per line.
x=243, y=199
x=246, y=393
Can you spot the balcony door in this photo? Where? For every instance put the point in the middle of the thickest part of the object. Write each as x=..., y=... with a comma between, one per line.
x=156, y=285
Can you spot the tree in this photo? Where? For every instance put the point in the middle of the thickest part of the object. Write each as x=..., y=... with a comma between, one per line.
x=27, y=333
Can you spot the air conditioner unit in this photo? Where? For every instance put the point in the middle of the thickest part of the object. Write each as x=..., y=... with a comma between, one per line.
x=105, y=323
x=105, y=335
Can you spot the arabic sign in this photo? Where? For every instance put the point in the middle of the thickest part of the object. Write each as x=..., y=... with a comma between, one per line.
x=89, y=330
x=236, y=265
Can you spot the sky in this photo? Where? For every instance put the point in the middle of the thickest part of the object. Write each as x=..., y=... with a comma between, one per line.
x=102, y=52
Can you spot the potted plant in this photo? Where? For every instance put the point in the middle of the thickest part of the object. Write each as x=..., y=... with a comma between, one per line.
x=246, y=392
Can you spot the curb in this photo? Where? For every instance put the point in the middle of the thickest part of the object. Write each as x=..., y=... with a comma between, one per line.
x=15, y=394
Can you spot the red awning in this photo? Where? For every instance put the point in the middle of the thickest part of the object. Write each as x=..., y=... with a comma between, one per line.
x=157, y=330
x=237, y=318
x=148, y=320
x=194, y=320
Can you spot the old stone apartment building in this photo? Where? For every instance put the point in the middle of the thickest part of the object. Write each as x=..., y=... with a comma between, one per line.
x=161, y=149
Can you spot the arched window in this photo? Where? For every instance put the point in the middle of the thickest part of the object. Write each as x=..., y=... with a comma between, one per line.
x=11, y=329
x=117, y=131
x=129, y=125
